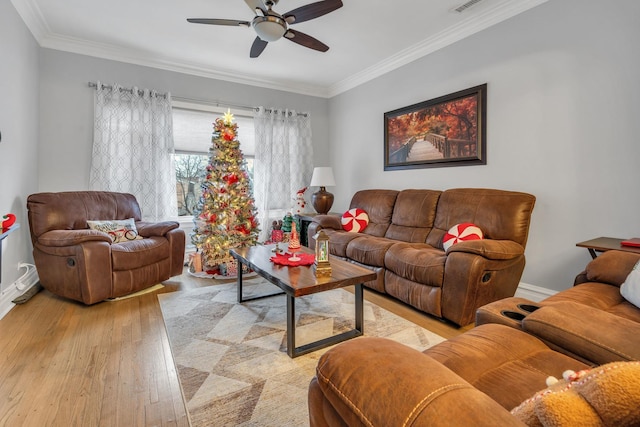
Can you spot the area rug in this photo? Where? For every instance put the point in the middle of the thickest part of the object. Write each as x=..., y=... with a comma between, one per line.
x=231, y=358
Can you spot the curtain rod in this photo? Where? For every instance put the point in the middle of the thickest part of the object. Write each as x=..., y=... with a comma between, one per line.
x=124, y=89
x=225, y=104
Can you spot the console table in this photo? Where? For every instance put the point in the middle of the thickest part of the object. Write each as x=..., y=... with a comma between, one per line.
x=305, y=220
x=3, y=234
x=603, y=244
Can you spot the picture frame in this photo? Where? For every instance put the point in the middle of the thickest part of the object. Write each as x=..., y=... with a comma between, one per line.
x=446, y=131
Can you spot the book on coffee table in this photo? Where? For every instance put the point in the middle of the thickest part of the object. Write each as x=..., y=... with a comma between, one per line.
x=635, y=241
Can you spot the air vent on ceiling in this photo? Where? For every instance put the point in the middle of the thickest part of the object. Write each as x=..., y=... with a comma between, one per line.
x=465, y=6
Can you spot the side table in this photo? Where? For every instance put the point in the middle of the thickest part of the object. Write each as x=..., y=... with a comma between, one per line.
x=305, y=220
x=4, y=233
x=603, y=244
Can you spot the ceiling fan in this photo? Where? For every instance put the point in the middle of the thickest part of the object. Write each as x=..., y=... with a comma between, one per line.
x=271, y=26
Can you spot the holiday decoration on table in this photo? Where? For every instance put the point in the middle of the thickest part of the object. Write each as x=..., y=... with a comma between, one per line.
x=225, y=217
x=287, y=259
x=294, y=243
x=8, y=220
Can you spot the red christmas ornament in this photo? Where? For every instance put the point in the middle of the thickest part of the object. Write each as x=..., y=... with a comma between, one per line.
x=228, y=135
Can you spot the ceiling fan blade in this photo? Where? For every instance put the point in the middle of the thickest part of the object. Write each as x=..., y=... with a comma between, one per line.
x=257, y=4
x=306, y=40
x=311, y=11
x=231, y=22
x=257, y=47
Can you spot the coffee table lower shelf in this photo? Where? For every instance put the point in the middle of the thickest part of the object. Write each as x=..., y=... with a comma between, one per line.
x=266, y=271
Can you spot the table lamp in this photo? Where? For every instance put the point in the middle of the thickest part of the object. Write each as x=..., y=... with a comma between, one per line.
x=322, y=199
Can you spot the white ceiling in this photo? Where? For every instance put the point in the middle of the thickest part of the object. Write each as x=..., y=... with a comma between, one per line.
x=367, y=38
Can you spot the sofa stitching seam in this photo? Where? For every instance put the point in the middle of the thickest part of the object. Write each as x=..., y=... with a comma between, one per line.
x=436, y=391
x=350, y=403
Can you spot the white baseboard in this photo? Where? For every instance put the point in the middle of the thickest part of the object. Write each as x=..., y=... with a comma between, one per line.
x=532, y=292
x=12, y=292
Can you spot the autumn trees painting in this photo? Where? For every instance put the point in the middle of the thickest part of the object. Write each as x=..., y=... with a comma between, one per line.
x=447, y=131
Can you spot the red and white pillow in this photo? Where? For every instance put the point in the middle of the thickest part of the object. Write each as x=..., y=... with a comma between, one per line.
x=355, y=220
x=461, y=233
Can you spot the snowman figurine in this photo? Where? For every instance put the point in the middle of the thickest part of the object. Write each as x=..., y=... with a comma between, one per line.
x=301, y=203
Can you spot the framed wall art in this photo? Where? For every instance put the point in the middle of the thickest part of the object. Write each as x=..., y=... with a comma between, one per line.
x=445, y=131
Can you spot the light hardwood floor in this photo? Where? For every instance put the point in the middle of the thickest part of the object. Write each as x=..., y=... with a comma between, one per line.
x=110, y=364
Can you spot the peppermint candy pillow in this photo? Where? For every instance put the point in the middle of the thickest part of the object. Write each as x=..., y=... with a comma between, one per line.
x=355, y=220
x=461, y=233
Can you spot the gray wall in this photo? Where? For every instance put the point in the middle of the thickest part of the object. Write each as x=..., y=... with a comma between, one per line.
x=66, y=109
x=563, y=124
x=19, y=128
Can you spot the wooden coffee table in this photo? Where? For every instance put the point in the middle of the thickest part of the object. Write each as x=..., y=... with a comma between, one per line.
x=300, y=281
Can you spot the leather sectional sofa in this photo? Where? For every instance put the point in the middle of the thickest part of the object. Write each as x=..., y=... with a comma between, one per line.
x=403, y=243
x=483, y=376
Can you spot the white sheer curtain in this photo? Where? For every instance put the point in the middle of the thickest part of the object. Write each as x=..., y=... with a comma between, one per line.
x=133, y=148
x=283, y=162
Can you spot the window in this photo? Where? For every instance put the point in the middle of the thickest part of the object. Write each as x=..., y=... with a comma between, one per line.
x=192, y=132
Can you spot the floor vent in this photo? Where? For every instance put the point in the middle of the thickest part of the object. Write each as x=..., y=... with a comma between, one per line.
x=465, y=6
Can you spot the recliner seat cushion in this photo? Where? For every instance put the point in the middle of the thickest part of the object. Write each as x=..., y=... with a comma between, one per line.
x=601, y=296
x=417, y=262
x=503, y=362
x=139, y=253
x=369, y=250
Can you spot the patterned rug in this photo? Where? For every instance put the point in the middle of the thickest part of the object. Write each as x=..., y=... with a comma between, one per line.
x=231, y=358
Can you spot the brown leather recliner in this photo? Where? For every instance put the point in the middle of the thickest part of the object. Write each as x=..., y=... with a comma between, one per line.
x=82, y=264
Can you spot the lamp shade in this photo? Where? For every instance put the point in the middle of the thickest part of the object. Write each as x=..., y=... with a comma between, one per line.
x=322, y=177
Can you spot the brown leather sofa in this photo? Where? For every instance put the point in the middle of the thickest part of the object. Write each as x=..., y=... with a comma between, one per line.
x=403, y=244
x=481, y=375
x=76, y=262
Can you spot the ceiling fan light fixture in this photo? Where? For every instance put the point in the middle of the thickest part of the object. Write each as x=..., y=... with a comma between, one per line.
x=269, y=28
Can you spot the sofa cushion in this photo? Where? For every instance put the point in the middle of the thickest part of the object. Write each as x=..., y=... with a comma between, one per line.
x=137, y=253
x=503, y=362
x=630, y=289
x=338, y=241
x=369, y=250
x=501, y=215
x=600, y=296
x=413, y=215
x=379, y=206
x=417, y=262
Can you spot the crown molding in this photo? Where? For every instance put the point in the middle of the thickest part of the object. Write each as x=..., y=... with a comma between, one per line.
x=117, y=53
x=32, y=17
x=502, y=10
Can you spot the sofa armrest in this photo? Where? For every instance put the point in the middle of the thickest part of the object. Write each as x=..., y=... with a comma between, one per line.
x=328, y=221
x=376, y=381
x=596, y=335
x=61, y=238
x=159, y=229
x=490, y=249
x=610, y=267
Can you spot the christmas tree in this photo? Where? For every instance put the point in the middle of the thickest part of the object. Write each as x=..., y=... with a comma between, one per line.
x=226, y=214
